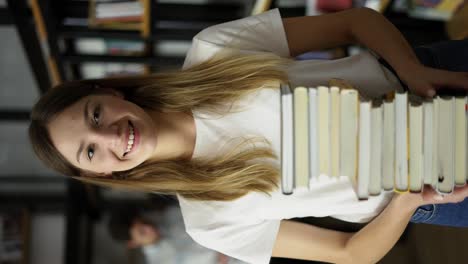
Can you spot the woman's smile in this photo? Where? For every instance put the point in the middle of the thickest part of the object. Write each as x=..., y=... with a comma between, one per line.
x=132, y=139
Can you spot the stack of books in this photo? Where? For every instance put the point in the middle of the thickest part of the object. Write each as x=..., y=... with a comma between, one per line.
x=394, y=144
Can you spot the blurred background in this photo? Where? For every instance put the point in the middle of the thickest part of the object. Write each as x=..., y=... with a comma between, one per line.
x=47, y=218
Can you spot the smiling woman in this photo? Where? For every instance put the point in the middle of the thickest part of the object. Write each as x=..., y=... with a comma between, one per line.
x=94, y=134
x=139, y=132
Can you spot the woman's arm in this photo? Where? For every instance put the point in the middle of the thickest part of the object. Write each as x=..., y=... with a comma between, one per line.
x=371, y=243
x=359, y=25
x=373, y=30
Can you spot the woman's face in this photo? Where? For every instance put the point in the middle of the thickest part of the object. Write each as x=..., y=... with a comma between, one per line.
x=104, y=133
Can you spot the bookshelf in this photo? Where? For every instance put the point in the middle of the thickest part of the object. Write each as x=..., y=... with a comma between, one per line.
x=162, y=22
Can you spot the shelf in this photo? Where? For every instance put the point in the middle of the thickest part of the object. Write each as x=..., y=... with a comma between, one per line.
x=79, y=32
x=158, y=60
x=162, y=30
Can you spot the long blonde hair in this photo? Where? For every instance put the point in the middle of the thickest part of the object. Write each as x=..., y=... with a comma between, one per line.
x=207, y=87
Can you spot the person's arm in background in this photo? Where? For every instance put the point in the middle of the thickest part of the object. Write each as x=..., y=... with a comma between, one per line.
x=368, y=245
x=371, y=29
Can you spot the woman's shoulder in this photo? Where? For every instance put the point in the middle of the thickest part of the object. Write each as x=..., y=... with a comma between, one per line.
x=260, y=33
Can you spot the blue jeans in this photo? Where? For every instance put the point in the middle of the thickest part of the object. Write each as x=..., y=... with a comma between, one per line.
x=448, y=55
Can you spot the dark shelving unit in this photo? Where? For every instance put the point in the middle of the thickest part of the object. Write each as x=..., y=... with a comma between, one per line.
x=168, y=22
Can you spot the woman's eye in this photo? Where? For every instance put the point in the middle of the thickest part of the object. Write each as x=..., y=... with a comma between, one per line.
x=90, y=153
x=96, y=115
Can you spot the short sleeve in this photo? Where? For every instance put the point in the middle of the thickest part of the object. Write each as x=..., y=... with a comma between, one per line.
x=260, y=33
x=230, y=232
x=249, y=242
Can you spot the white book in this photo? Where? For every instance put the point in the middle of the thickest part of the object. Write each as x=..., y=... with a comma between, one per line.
x=287, y=144
x=401, y=142
x=108, y=10
x=428, y=108
x=324, y=130
x=313, y=136
x=446, y=142
x=364, y=150
x=349, y=124
x=416, y=179
x=435, y=144
x=334, y=131
x=388, y=155
x=301, y=137
x=460, y=138
x=375, y=181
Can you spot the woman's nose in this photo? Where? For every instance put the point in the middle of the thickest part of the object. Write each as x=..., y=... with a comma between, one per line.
x=108, y=136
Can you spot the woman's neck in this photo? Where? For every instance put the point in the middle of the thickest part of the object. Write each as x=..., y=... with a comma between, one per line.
x=176, y=134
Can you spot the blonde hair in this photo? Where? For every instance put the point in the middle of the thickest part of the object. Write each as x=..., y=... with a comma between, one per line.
x=208, y=87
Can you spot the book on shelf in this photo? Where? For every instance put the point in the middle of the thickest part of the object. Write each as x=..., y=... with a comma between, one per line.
x=120, y=15
x=92, y=70
x=433, y=9
x=103, y=46
x=397, y=143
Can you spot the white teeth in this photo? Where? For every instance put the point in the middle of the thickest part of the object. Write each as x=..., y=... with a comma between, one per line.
x=130, y=140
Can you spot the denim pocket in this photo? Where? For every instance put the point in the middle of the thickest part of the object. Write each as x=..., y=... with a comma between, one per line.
x=424, y=214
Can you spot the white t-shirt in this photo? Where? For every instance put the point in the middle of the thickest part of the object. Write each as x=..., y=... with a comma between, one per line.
x=246, y=228
x=175, y=246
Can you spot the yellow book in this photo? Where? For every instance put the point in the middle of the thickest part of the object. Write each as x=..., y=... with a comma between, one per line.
x=335, y=131
x=324, y=129
x=301, y=137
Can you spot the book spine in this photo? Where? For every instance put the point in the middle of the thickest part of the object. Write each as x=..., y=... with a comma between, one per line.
x=364, y=150
x=446, y=178
x=335, y=131
x=401, y=142
x=324, y=130
x=428, y=108
x=287, y=143
x=375, y=181
x=388, y=156
x=301, y=137
x=460, y=138
x=313, y=142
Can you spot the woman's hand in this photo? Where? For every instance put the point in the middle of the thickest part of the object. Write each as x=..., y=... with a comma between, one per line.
x=425, y=81
x=430, y=196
